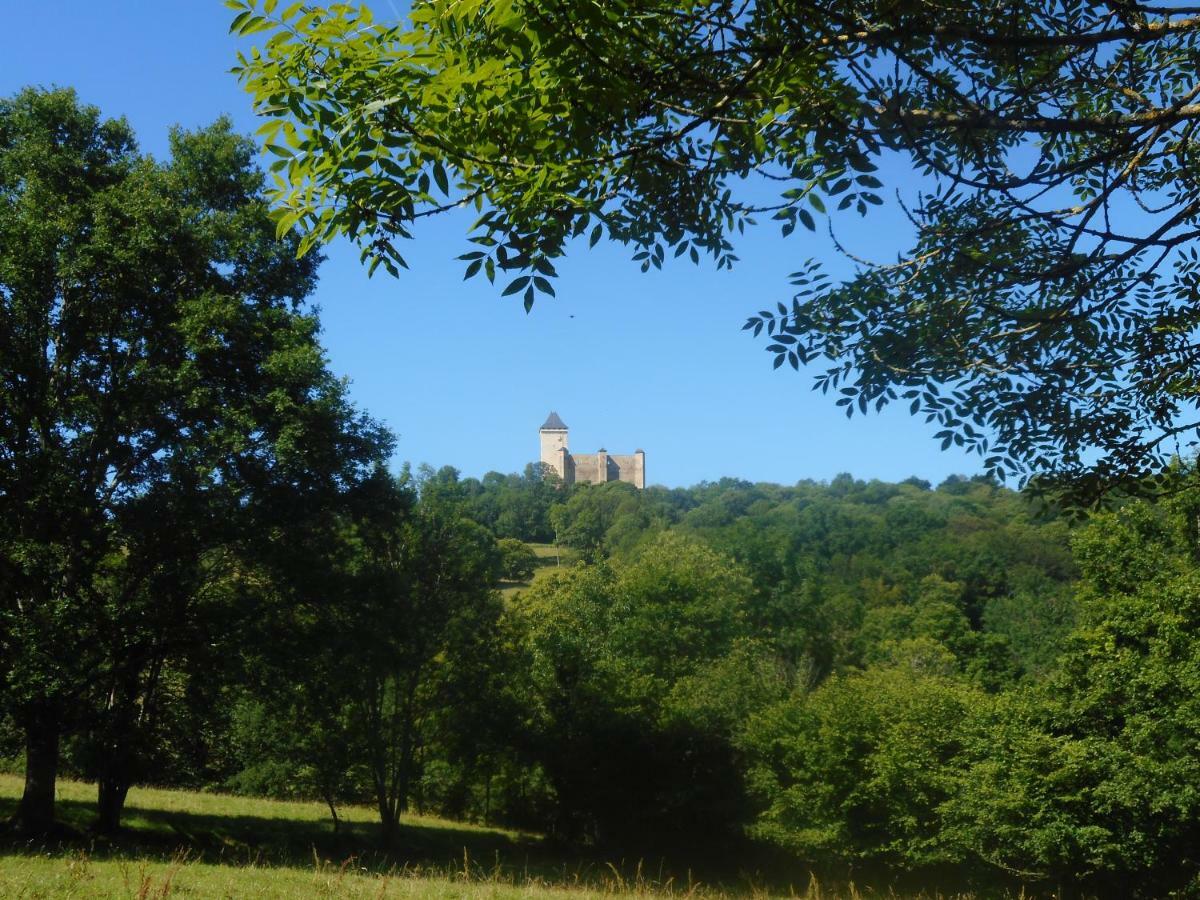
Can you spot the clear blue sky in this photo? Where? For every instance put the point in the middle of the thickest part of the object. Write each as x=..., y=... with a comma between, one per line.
x=465, y=377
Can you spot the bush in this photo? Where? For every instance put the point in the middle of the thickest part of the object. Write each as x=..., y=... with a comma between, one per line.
x=517, y=561
x=859, y=769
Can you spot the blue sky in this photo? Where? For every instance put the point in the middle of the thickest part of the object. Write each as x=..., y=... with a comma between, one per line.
x=464, y=376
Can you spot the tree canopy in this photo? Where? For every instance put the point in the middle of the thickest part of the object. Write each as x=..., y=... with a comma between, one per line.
x=162, y=397
x=1043, y=313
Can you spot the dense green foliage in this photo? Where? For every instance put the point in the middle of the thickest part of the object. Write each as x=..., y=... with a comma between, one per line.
x=1081, y=774
x=1042, y=305
x=856, y=673
x=512, y=506
x=617, y=663
x=164, y=405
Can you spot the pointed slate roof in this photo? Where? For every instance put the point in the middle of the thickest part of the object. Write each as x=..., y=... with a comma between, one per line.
x=553, y=423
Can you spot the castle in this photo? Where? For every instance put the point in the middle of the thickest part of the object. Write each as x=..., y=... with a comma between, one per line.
x=593, y=468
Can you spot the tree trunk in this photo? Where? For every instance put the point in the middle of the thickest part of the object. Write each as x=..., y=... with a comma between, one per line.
x=110, y=803
x=389, y=821
x=487, y=797
x=116, y=764
x=388, y=815
x=35, y=812
x=407, y=745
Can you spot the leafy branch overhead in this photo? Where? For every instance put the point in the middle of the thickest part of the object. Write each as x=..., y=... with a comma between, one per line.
x=1044, y=314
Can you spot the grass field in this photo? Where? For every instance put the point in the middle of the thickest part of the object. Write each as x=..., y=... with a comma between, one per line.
x=187, y=844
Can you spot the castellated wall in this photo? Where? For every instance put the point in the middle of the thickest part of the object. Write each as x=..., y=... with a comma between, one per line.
x=589, y=469
x=629, y=467
x=599, y=468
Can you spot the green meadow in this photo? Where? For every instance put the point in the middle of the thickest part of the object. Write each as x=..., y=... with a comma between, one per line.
x=194, y=844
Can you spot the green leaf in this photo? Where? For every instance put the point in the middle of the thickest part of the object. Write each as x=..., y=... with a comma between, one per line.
x=515, y=285
x=860, y=163
x=439, y=176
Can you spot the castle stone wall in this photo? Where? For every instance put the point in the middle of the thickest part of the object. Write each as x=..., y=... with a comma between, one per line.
x=588, y=469
x=629, y=467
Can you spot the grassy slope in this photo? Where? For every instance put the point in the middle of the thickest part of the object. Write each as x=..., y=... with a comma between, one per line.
x=187, y=844
x=190, y=844
x=80, y=876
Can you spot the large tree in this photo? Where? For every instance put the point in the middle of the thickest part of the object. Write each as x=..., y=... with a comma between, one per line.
x=1044, y=311
x=386, y=653
x=161, y=397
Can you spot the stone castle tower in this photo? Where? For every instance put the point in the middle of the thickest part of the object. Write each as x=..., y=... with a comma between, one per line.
x=591, y=468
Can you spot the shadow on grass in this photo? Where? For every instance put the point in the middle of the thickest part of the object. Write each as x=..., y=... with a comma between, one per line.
x=263, y=841
x=465, y=852
x=443, y=849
